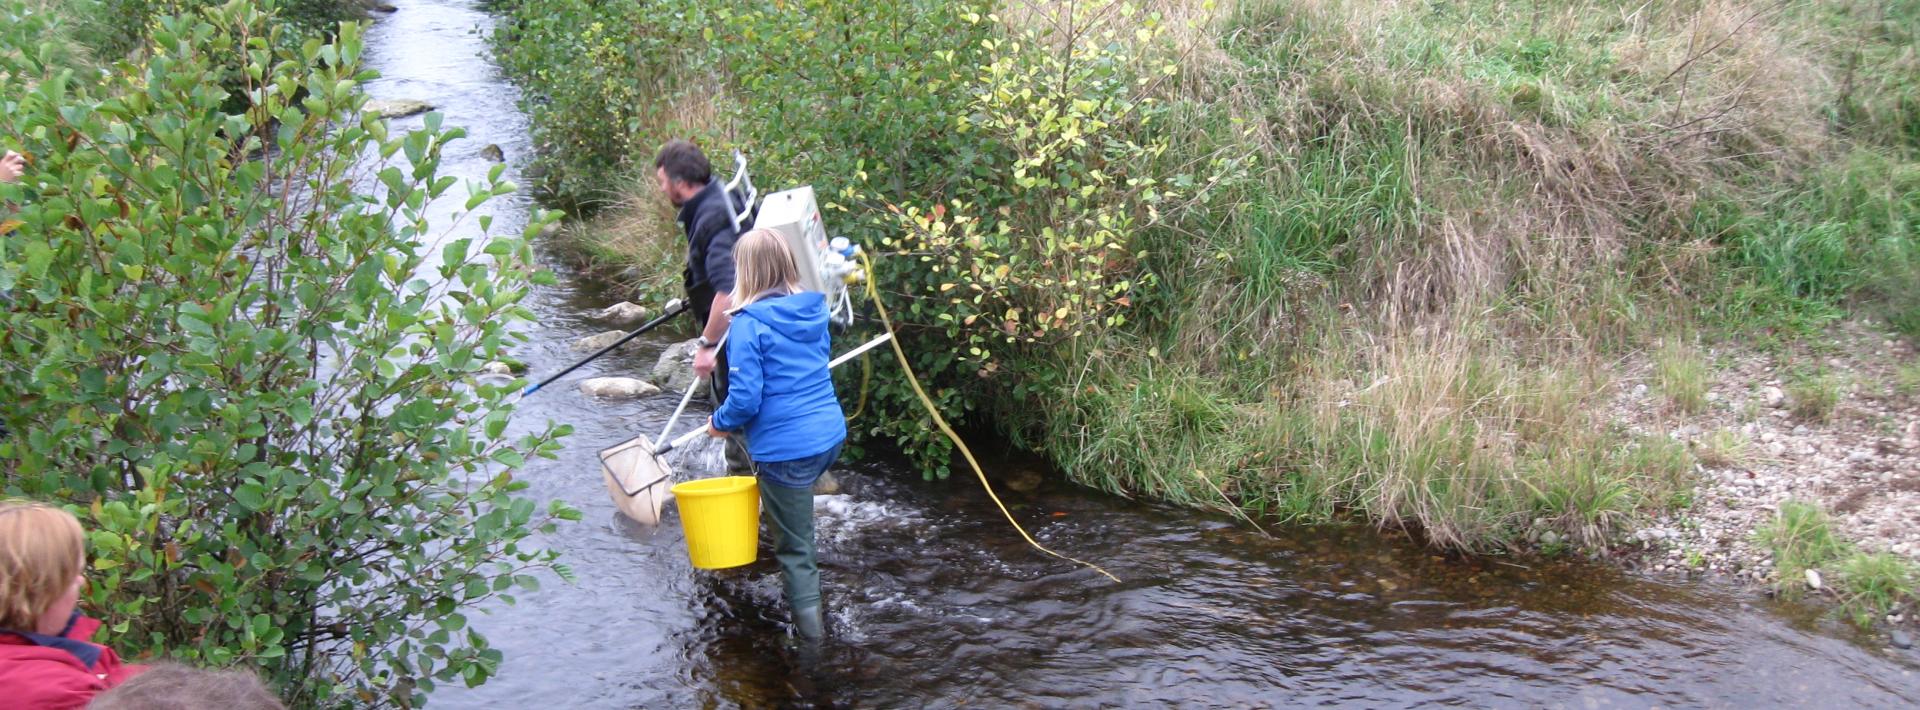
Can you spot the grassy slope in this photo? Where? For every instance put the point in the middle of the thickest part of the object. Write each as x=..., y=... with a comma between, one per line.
x=1465, y=209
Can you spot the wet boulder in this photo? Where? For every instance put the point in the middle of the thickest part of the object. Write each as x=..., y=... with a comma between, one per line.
x=593, y=343
x=624, y=312
x=617, y=387
x=674, y=370
x=397, y=108
x=827, y=484
x=493, y=153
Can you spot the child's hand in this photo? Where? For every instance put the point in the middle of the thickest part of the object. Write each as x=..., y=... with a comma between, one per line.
x=12, y=167
x=715, y=433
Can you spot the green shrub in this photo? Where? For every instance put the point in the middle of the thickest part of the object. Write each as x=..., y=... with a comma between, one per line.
x=246, y=374
x=606, y=84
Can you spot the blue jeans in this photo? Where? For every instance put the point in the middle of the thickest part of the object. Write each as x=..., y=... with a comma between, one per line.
x=786, y=492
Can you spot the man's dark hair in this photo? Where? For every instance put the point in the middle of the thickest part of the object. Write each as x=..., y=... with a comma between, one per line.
x=171, y=686
x=683, y=161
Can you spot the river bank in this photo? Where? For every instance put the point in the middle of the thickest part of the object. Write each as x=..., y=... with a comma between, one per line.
x=1822, y=434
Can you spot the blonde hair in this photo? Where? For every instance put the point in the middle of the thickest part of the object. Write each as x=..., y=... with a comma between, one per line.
x=40, y=555
x=761, y=263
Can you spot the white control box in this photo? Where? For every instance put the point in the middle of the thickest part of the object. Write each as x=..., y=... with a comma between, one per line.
x=795, y=216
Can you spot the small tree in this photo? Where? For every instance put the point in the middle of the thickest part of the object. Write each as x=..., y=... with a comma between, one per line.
x=235, y=347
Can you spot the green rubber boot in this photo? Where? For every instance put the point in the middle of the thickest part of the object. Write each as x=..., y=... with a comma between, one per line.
x=809, y=623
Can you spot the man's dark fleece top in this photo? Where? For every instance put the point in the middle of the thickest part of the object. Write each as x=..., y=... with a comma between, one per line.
x=710, y=237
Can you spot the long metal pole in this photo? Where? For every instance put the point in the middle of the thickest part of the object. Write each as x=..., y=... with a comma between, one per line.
x=674, y=308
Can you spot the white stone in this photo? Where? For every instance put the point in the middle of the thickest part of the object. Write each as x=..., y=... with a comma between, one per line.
x=622, y=312
x=1774, y=397
x=397, y=108
x=498, y=368
x=617, y=387
x=1813, y=579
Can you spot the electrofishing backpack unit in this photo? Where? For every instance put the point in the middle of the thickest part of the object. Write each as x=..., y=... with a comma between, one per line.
x=826, y=264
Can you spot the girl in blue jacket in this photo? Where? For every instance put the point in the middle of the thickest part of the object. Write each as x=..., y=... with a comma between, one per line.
x=780, y=398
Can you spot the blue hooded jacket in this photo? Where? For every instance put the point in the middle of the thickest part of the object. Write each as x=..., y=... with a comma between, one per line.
x=778, y=387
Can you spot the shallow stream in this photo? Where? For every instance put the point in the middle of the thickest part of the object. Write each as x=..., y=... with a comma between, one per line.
x=934, y=600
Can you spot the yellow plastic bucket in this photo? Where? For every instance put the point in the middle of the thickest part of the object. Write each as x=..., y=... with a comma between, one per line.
x=722, y=519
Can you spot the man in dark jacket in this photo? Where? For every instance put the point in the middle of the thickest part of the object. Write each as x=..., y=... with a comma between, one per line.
x=686, y=178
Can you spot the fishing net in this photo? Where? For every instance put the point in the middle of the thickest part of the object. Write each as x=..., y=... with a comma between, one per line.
x=636, y=478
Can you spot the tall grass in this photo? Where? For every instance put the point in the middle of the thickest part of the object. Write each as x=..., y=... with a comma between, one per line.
x=1682, y=376
x=1801, y=537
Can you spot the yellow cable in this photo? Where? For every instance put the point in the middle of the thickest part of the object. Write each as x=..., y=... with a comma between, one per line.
x=866, y=376
x=901, y=355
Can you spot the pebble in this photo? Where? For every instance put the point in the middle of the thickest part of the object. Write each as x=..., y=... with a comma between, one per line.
x=1774, y=397
x=617, y=387
x=1900, y=639
x=1813, y=579
x=1800, y=430
x=498, y=368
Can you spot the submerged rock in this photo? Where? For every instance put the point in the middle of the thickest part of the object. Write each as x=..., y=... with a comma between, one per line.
x=492, y=152
x=383, y=7
x=1022, y=479
x=398, y=108
x=595, y=342
x=617, y=387
x=623, y=312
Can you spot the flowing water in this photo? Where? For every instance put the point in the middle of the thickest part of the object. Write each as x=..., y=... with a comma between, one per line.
x=934, y=600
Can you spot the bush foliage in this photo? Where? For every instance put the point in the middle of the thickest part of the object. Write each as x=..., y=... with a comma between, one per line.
x=237, y=348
